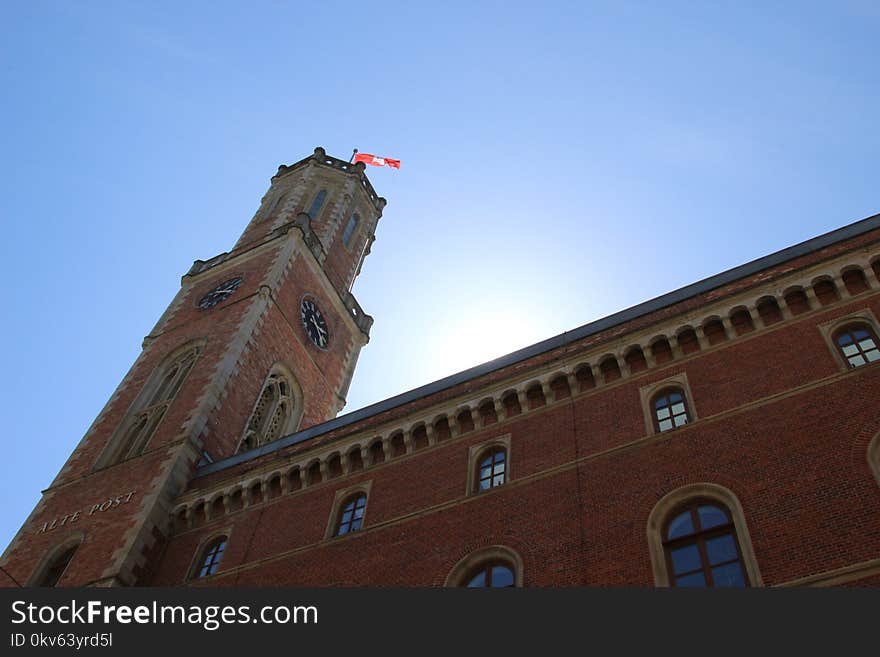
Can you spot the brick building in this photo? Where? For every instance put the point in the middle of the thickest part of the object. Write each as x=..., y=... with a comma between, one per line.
x=726, y=433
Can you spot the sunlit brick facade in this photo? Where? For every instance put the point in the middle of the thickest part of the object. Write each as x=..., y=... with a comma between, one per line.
x=722, y=434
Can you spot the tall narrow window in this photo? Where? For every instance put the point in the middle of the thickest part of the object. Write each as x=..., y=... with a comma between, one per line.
x=210, y=559
x=351, y=515
x=276, y=412
x=317, y=203
x=670, y=410
x=277, y=204
x=150, y=408
x=701, y=547
x=857, y=344
x=350, y=227
x=56, y=567
x=492, y=469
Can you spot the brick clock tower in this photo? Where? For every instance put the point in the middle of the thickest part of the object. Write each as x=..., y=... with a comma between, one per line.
x=258, y=343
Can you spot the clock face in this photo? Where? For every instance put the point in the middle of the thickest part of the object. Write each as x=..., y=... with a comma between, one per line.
x=313, y=322
x=219, y=293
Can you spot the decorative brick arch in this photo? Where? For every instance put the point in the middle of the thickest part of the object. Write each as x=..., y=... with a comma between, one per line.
x=669, y=502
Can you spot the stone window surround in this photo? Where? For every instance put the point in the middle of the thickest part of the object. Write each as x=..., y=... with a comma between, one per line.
x=75, y=538
x=648, y=392
x=492, y=553
x=270, y=204
x=110, y=455
x=661, y=512
x=343, y=495
x=199, y=554
x=296, y=394
x=828, y=329
x=476, y=452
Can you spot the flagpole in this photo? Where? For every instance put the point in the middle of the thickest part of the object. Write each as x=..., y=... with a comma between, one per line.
x=354, y=152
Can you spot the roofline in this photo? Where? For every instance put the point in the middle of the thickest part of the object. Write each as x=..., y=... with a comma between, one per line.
x=616, y=319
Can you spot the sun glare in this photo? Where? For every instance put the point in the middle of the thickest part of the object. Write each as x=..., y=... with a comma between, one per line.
x=478, y=335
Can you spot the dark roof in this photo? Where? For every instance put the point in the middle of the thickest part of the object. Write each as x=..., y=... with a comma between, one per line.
x=616, y=319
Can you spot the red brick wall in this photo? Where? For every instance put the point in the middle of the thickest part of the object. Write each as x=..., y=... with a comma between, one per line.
x=103, y=530
x=796, y=462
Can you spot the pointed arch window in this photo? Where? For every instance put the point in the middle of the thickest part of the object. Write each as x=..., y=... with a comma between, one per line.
x=150, y=408
x=56, y=567
x=277, y=204
x=276, y=412
x=317, y=203
x=350, y=228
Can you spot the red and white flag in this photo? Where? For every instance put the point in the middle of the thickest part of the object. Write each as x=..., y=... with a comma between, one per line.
x=366, y=158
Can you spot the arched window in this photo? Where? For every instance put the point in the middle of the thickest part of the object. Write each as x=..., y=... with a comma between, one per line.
x=56, y=566
x=701, y=547
x=857, y=344
x=211, y=556
x=149, y=409
x=495, y=566
x=351, y=514
x=275, y=206
x=317, y=203
x=491, y=575
x=350, y=227
x=669, y=409
x=491, y=469
x=276, y=412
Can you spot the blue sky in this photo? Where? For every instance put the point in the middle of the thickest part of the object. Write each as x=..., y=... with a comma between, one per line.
x=560, y=161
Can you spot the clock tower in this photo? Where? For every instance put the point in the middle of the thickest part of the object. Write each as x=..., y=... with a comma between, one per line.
x=258, y=343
